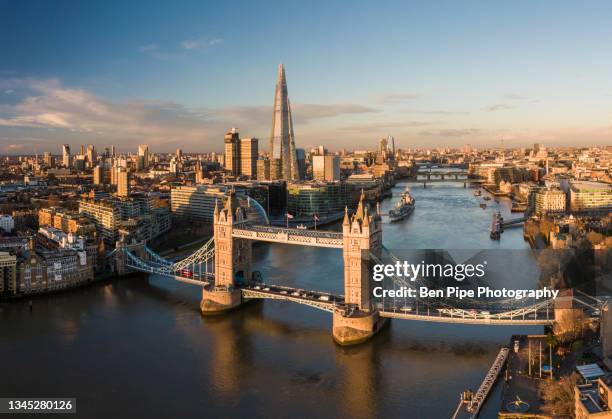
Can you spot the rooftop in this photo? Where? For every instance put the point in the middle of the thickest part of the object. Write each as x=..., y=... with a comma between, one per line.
x=589, y=185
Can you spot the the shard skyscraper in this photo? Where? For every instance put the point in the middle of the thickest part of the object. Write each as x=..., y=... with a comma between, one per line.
x=283, y=163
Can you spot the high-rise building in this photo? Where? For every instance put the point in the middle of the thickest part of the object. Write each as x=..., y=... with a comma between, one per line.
x=143, y=151
x=391, y=146
x=300, y=155
x=179, y=153
x=326, y=168
x=66, y=155
x=98, y=175
x=249, y=149
x=49, y=160
x=113, y=174
x=282, y=139
x=91, y=154
x=263, y=169
x=276, y=172
x=123, y=183
x=175, y=166
x=232, y=151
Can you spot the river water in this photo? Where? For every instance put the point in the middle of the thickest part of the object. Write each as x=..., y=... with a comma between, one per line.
x=139, y=346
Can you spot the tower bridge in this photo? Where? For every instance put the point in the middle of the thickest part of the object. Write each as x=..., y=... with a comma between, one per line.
x=222, y=267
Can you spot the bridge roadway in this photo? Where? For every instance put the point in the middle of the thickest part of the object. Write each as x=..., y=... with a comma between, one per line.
x=329, y=302
x=329, y=239
x=317, y=299
x=441, y=317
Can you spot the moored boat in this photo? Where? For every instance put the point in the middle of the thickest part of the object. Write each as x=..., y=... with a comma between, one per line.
x=403, y=208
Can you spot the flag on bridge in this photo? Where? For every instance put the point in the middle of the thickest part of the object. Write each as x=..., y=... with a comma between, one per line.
x=316, y=218
x=289, y=216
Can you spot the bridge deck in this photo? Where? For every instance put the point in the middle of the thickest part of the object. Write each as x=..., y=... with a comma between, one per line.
x=297, y=236
x=465, y=320
x=316, y=299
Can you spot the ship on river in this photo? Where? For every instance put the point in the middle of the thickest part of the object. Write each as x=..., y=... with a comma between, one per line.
x=403, y=208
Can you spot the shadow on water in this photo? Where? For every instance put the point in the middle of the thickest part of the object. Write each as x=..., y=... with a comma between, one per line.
x=140, y=346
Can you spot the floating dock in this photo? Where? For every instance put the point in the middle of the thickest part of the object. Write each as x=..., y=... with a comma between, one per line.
x=470, y=403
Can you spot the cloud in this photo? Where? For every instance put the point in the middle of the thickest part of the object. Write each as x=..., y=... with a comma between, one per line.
x=386, y=126
x=435, y=112
x=304, y=113
x=396, y=98
x=148, y=48
x=452, y=132
x=192, y=44
x=60, y=113
x=514, y=96
x=498, y=107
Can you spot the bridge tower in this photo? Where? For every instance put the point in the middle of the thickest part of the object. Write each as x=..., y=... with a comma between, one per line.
x=362, y=237
x=233, y=259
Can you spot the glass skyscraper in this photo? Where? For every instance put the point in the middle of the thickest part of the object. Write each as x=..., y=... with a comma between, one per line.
x=282, y=140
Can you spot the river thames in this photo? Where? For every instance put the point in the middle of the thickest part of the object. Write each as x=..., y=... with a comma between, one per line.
x=139, y=346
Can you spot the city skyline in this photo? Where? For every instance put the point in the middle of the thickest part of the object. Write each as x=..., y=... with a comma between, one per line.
x=430, y=75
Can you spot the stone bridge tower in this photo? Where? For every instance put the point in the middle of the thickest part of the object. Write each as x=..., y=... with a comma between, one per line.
x=233, y=259
x=362, y=238
x=362, y=235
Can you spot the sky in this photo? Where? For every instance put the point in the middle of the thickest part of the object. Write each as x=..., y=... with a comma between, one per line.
x=182, y=73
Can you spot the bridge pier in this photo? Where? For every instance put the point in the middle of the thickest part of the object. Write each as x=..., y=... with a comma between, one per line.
x=356, y=328
x=219, y=300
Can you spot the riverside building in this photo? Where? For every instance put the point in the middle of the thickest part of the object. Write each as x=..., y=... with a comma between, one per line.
x=588, y=196
x=195, y=202
x=136, y=215
x=550, y=201
x=319, y=197
x=8, y=274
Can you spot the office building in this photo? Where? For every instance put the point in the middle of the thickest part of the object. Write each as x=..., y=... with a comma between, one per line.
x=306, y=199
x=66, y=158
x=143, y=156
x=276, y=170
x=282, y=139
x=301, y=162
x=123, y=183
x=98, y=175
x=232, y=152
x=49, y=160
x=249, y=151
x=590, y=196
x=550, y=201
x=326, y=168
x=91, y=155
x=263, y=169
x=195, y=202
x=7, y=223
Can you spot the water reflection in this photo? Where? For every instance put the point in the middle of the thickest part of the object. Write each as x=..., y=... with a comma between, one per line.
x=140, y=346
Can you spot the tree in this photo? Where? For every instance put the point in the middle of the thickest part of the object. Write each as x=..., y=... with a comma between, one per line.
x=558, y=396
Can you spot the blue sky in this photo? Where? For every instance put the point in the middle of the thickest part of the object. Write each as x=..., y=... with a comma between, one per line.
x=182, y=73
